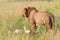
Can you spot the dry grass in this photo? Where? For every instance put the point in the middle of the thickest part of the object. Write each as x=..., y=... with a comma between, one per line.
x=10, y=14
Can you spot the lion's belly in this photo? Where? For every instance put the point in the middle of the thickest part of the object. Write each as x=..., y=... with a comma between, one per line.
x=40, y=19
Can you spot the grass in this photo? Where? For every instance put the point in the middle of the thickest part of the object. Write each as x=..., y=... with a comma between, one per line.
x=57, y=6
x=10, y=20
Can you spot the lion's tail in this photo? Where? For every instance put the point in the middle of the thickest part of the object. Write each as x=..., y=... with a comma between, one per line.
x=52, y=22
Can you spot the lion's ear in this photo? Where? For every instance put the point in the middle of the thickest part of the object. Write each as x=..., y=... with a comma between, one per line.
x=25, y=9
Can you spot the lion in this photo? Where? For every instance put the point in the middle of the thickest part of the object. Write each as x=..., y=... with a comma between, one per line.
x=35, y=17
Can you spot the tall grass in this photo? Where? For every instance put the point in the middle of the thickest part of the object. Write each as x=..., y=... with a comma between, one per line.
x=9, y=23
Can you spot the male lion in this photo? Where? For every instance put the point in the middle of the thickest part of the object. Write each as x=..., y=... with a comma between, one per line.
x=36, y=17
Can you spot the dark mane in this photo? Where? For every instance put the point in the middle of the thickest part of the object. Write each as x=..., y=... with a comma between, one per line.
x=31, y=9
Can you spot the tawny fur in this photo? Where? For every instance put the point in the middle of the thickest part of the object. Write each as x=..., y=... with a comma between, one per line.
x=35, y=18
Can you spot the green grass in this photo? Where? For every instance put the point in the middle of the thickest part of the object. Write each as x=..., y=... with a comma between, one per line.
x=57, y=6
x=7, y=23
x=11, y=22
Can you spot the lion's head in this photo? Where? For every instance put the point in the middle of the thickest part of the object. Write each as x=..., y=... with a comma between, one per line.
x=26, y=11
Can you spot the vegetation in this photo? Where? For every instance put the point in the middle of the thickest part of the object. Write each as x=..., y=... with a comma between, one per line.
x=57, y=6
x=28, y=0
x=10, y=21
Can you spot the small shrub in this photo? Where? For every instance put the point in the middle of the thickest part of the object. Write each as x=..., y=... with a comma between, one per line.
x=57, y=6
x=23, y=22
x=50, y=10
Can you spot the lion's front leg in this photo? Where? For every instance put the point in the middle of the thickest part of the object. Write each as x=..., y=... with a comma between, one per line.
x=33, y=26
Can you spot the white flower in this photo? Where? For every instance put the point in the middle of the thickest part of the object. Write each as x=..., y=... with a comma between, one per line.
x=26, y=30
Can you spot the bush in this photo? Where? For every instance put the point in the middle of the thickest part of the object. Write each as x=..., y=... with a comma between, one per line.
x=57, y=6
x=50, y=10
x=23, y=22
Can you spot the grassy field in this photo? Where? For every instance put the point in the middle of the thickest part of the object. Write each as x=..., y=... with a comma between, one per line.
x=10, y=20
